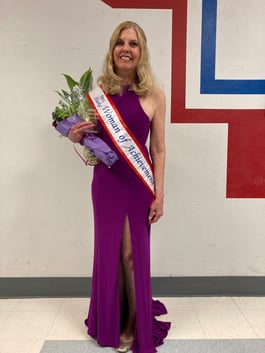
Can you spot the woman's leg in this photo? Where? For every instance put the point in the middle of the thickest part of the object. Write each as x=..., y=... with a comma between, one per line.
x=127, y=280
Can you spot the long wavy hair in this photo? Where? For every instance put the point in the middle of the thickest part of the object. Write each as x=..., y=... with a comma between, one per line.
x=111, y=81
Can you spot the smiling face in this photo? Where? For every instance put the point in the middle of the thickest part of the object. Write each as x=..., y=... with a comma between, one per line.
x=127, y=53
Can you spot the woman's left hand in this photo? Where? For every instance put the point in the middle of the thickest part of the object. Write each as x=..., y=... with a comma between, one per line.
x=156, y=211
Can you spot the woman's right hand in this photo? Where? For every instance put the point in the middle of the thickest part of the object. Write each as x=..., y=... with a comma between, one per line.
x=77, y=132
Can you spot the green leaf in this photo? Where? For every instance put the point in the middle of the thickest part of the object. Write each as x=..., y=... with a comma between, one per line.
x=66, y=94
x=71, y=102
x=70, y=81
x=86, y=81
x=65, y=98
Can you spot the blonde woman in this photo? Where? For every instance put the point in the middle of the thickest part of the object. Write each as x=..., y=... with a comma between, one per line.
x=122, y=312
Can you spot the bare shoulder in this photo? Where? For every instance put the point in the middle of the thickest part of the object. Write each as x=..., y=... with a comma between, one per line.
x=157, y=96
x=153, y=102
x=158, y=93
x=159, y=102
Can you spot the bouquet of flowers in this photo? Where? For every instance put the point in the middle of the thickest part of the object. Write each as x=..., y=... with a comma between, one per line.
x=74, y=108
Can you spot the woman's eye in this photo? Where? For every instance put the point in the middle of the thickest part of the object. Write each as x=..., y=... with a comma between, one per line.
x=119, y=42
x=134, y=44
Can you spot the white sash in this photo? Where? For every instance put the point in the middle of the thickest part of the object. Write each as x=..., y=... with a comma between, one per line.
x=122, y=137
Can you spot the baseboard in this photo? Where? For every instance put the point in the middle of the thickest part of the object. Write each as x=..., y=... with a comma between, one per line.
x=78, y=287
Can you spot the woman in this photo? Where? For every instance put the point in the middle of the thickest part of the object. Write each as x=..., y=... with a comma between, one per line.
x=121, y=313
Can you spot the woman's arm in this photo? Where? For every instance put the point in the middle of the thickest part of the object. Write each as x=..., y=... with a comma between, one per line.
x=158, y=153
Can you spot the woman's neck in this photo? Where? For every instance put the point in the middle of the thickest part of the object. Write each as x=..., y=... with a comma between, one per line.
x=128, y=79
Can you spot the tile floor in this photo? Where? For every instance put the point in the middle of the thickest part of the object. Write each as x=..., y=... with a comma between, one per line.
x=26, y=323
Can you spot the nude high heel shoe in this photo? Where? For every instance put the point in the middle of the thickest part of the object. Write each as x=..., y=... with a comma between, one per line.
x=125, y=346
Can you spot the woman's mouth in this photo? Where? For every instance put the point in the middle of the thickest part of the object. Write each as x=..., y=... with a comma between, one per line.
x=125, y=58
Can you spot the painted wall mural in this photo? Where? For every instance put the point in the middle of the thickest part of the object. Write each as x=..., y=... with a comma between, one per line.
x=220, y=95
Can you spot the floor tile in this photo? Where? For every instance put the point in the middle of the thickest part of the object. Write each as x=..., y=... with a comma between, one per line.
x=213, y=303
x=27, y=325
x=256, y=318
x=250, y=303
x=9, y=304
x=75, y=305
x=68, y=325
x=3, y=317
x=225, y=324
x=179, y=303
x=184, y=325
x=20, y=346
x=44, y=305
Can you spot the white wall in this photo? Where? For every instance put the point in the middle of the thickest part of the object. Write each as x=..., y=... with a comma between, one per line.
x=46, y=221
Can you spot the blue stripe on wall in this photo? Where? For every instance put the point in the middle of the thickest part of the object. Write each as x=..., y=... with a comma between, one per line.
x=209, y=85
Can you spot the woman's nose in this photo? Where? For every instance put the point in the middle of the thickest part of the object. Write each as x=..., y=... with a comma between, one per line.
x=125, y=47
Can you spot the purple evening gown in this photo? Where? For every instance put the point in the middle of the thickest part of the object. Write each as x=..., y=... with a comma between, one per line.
x=117, y=192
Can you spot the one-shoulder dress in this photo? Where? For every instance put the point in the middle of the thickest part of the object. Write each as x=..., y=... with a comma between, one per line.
x=117, y=193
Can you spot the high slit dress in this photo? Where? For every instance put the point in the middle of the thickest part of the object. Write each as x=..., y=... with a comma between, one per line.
x=117, y=193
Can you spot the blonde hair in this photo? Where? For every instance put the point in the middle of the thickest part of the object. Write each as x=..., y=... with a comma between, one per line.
x=144, y=83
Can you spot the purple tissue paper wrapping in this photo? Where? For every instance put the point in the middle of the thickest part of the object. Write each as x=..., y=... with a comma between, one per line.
x=96, y=145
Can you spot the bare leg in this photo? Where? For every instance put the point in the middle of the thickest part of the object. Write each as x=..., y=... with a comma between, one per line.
x=128, y=279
